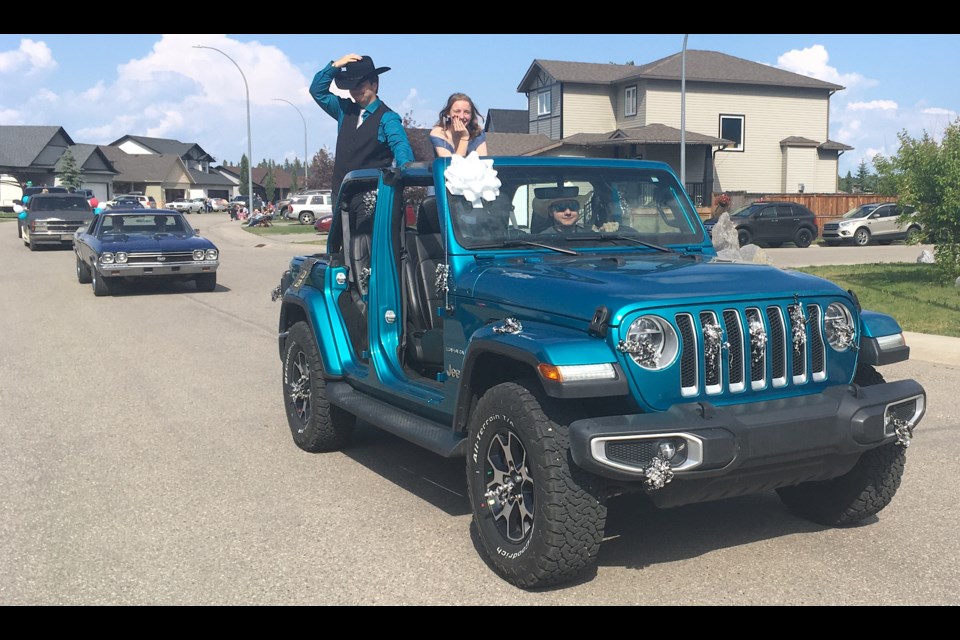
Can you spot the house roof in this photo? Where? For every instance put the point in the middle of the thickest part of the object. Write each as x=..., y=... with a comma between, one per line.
x=835, y=146
x=515, y=144
x=649, y=134
x=141, y=167
x=90, y=159
x=507, y=121
x=164, y=146
x=20, y=145
x=212, y=179
x=705, y=66
x=797, y=141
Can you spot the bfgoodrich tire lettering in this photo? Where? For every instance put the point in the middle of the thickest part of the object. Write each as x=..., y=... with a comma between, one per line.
x=860, y=493
x=547, y=527
x=316, y=425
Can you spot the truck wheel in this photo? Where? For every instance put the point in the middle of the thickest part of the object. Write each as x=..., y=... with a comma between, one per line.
x=83, y=272
x=100, y=285
x=539, y=518
x=306, y=217
x=206, y=281
x=316, y=424
x=861, y=492
x=803, y=238
x=862, y=236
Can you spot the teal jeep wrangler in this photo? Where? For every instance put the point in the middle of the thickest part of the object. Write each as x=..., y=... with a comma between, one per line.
x=565, y=326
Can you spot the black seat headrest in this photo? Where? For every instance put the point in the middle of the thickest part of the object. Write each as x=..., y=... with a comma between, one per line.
x=428, y=218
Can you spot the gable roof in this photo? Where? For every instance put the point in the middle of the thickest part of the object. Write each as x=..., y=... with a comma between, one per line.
x=164, y=146
x=704, y=66
x=20, y=145
x=515, y=144
x=142, y=167
x=211, y=179
x=507, y=121
x=90, y=159
x=649, y=134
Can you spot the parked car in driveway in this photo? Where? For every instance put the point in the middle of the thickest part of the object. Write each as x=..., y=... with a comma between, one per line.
x=323, y=223
x=186, y=206
x=309, y=208
x=878, y=221
x=132, y=244
x=53, y=218
x=772, y=224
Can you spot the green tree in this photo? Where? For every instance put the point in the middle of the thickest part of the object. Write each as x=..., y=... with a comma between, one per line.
x=69, y=172
x=321, y=169
x=270, y=183
x=846, y=183
x=863, y=176
x=926, y=174
x=244, y=168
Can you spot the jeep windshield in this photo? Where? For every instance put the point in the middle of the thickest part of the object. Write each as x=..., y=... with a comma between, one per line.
x=592, y=206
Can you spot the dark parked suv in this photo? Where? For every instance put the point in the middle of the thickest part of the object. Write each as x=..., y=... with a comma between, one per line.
x=773, y=223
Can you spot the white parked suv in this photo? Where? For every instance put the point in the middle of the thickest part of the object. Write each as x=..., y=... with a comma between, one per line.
x=186, y=206
x=307, y=208
x=875, y=221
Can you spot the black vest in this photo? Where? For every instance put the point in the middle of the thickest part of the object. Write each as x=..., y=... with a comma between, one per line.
x=359, y=148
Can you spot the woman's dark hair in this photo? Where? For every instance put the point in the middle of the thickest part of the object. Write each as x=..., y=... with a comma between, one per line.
x=473, y=126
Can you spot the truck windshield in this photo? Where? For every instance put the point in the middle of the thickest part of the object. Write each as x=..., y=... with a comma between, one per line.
x=59, y=203
x=600, y=206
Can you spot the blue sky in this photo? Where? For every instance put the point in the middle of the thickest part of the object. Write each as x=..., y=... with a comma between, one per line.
x=101, y=87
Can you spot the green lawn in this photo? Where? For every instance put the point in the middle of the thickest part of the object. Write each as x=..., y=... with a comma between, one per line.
x=908, y=292
x=281, y=227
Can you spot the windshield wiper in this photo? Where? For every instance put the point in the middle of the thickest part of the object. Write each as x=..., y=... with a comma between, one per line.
x=524, y=243
x=620, y=236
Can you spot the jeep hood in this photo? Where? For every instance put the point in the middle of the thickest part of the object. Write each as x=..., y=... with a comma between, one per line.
x=576, y=286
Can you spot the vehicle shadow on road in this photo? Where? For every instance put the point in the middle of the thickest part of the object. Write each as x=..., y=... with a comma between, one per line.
x=159, y=288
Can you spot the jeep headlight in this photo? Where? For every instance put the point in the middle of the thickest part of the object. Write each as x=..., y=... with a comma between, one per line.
x=106, y=257
x=198, y=254
x=838, y=324
x=651, y=342
x=211, y=254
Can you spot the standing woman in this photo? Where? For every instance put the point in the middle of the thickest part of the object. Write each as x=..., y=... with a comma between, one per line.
x=458, y=131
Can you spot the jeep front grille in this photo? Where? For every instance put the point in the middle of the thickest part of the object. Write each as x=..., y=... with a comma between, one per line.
x=760, y=348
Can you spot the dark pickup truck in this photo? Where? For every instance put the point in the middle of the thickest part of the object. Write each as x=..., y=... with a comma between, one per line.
x=53, y=218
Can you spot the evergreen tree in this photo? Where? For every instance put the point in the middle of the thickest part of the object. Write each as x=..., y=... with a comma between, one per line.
x=863, y=176
x=270, y=184
x=244, y=185
x=321, y=170
x=69, y=172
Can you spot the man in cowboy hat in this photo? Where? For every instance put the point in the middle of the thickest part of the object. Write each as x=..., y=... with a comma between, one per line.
x=371, y=135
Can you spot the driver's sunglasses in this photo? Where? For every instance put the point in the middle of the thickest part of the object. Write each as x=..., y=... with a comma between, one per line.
x=572, y=205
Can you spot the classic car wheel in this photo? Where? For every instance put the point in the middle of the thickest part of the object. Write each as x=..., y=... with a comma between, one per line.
x=100, y=285
x=316, y=424
x=539, y=518
x=862, y=237
x=861, y=492
x=83, y=272
x=19, y=230
x=743, y=237
x=803, y=238
x=306, y=217
x=206, y=281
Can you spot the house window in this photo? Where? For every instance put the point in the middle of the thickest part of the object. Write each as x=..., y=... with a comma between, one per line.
x=630, y=101
x=731, y=128
x=543, y=103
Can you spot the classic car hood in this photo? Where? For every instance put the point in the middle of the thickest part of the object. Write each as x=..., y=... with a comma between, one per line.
x=155, y=242
x=576, y=286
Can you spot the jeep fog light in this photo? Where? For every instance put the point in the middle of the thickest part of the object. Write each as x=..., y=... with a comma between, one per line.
x=106, y=258
x=198, y=254
x=651, y=342
x=673, y=450
x=838, y=324
x=577, y=373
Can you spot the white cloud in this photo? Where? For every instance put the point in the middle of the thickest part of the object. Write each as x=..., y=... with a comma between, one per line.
x=10, y=116
x=31, y=57
x=46, y=96
x=873, y=105
x=812, y=62
x=938, y=111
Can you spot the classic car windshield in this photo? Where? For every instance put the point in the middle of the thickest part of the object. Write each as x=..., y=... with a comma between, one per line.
x=577, y=208
x=112, y=225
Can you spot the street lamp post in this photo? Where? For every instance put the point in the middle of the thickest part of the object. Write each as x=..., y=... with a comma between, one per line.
x=249, y=139
x=306, y=160
x=683, y=114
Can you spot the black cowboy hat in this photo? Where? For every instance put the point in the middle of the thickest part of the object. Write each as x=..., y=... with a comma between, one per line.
x=356, y=72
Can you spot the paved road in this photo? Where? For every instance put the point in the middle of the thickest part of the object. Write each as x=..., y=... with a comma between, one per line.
x=146, y=460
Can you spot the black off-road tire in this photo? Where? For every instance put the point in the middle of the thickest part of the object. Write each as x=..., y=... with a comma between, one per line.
x=861, y=237
x=206, y=281
x=860, y=493
x=743, y=237
x=306, y=217
x=316, y=425
x=101, y=286
x=803, y=238
x=552, y=533
x=83, y=272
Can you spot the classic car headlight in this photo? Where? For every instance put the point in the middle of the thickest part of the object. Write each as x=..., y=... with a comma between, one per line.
x=198, y=254
x=106, y=257
x=211, y=254
x=120, y=257
x=651, y=342
x=838, y=324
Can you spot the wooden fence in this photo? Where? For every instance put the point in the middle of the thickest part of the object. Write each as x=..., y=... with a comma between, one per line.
x=827, y=206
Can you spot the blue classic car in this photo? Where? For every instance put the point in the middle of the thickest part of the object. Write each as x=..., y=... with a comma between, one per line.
x=139, y=243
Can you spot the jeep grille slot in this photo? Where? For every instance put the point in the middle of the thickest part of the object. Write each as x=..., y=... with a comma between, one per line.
x=798, y=353
x=777, y=346
x=758, y=350
x=712, y=351
x=818, y=351
x=688, y=355
x=731, y=322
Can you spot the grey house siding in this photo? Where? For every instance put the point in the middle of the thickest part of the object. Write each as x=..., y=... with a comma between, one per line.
x=549, y=125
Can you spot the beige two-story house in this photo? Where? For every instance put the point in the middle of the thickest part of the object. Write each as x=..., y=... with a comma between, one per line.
x=748, y=127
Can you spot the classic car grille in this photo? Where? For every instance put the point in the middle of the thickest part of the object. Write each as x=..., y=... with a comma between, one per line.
x=153, y=258
x=757, y=348
x=632, y=452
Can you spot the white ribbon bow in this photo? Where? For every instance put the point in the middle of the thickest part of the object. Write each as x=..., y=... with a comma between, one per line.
x=474, y=179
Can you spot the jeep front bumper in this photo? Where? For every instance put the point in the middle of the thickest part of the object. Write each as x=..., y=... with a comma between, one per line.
x=776, y=442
